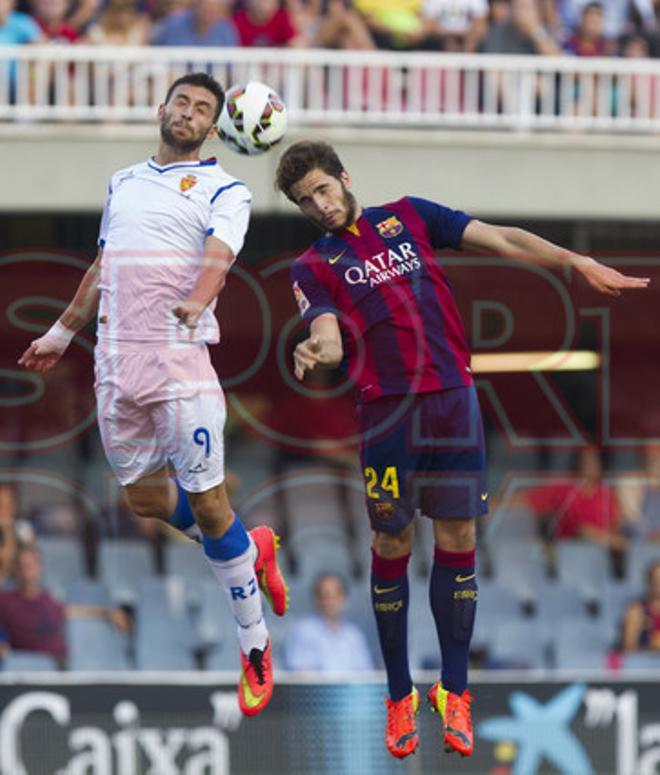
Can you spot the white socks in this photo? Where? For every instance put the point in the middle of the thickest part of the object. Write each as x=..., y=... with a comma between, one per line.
x=238, y=579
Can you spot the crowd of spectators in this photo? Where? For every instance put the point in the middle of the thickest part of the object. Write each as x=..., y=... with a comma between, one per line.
x=578, y=27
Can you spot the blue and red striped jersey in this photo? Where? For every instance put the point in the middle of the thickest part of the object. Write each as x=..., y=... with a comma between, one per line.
x=401, y=328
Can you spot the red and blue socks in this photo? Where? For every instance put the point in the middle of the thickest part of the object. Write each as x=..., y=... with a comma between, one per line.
x=453, y=594
x=389, y=596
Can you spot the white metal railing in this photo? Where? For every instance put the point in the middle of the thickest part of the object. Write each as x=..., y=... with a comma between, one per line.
x=84, y=83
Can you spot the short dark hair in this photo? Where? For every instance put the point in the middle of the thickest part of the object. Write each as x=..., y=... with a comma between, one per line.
x=204, y=80
x=303, y=157
x=329, y=574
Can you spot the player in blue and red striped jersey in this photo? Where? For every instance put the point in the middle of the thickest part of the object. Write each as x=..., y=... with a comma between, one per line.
x=374, y=295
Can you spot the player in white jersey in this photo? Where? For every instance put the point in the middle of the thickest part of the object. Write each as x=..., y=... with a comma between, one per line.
x=171, y=229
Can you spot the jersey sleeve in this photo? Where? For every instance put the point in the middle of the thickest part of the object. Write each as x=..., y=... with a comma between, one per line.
x=312, y=298
x=445, y=226
x=105, y=217
x=230, y=214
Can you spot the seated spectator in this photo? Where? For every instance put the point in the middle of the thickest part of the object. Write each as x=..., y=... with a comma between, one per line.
x=588, y=39
x=641, y=621
x=456, y=25
x=120, y=24
x=639, y=496
x=32, y=620
x=14, y=532
x=394, y=24
x=205, y=23
x=266, y=23
x=620, y=17
x=52, y=17
x=326, y=642
x=17, y=28
x=521, y=33
x=330, y=24
x=582, y=507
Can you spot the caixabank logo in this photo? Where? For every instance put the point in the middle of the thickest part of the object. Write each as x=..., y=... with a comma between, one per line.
x=579, y=730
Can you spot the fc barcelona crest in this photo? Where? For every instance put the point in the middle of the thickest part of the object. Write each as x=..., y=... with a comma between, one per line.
x=185, y=184
x=390, y=227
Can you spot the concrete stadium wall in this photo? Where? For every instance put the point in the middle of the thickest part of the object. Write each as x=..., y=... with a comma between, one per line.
x=55, y=168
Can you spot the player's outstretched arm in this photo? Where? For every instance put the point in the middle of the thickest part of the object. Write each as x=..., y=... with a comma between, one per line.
x=522, y=245
x=216, y=263
x=322, y=348
x=45, y=352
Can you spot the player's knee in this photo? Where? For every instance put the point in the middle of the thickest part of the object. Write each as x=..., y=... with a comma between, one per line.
x=148, y=508
x=393, y=545
x=455, y=535
x=210, y=513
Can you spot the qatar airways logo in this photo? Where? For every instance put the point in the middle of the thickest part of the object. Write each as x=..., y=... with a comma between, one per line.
x=385, y=266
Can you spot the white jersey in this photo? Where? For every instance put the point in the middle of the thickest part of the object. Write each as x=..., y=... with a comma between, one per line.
x=153, y=230
x=455, y=15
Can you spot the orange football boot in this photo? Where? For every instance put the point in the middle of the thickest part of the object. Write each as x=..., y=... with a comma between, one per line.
x=401, y=730
x=270, y=578
x=456, y=720
x=255, y=687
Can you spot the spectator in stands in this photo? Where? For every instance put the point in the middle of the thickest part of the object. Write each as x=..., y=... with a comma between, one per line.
x=455, y=25
x=205, y=23
x=14, y=532
x=639, y=496
x=32, y=620
x=521, y=33
x=641, y=621
x=330, y=24
x=120, y=24
x=588, y=39
x=326, y=642
x=52, y=18
x=395, y=24
x=17, y=28
x=266, y=23
x=621, y=17
x=584, y=507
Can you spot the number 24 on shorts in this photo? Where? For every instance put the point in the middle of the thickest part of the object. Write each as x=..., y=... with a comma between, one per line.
x=389, y=483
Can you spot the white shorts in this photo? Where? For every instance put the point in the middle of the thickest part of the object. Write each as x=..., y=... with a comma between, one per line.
x=158, y=404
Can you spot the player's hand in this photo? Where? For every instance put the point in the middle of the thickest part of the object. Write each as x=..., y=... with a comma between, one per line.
x=307, y=356
x=607, y=280
x=188, y=312
x=43, y=353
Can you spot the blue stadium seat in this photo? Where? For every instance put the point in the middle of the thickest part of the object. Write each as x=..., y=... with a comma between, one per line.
x=214, y=621
x=186, y=560
x=642, y=661
x=163, y=636
x=582, y=645
x=520, y=566
x=122, y=565
x=223, y=656
x=321, y=549
x=584, y=566
x=495, y=604
x=518, y=644
x=62, y=562
x=614, y=599
x=95, y=644
x=640, y=555
x=87, y=592
x=511, y=523
x=28, y=662
x=555, y=601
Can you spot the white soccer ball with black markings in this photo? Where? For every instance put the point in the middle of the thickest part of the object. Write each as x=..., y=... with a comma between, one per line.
x=253, y=118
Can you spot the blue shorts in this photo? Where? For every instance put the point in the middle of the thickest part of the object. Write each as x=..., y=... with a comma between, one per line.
x=423, y=452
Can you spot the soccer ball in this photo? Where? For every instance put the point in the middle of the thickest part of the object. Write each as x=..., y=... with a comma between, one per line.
x=253, y=118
